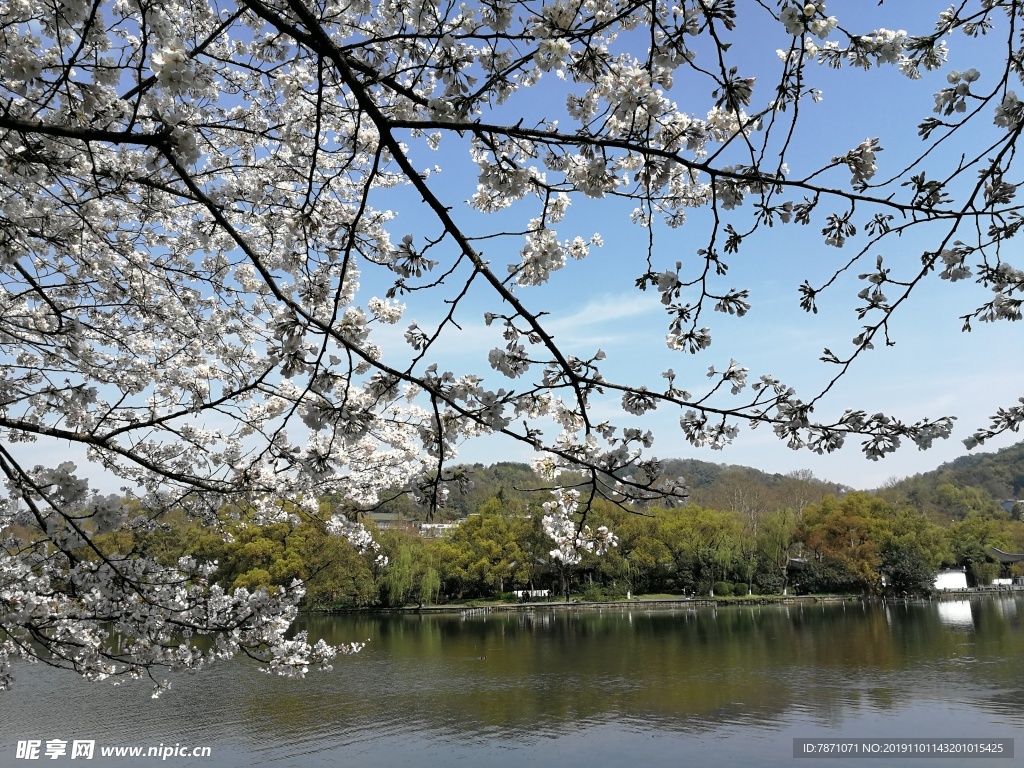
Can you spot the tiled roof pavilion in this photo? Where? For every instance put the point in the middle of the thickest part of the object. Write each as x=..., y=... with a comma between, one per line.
x=1006, y=558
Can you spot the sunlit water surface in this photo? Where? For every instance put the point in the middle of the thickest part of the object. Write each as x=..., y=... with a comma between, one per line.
x=572, y=688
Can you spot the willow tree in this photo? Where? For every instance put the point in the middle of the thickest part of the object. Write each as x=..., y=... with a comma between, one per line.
x=192, y=191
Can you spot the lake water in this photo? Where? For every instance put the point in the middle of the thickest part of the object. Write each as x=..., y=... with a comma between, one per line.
x=616, y=687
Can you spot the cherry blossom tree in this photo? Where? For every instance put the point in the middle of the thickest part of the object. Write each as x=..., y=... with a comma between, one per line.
x=193, y=190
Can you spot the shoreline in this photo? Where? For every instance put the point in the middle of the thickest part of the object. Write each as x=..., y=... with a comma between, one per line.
x=669, y=603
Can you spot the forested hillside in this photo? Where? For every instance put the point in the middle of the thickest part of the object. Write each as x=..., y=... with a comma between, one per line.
x=722, y=486
x=974, y=483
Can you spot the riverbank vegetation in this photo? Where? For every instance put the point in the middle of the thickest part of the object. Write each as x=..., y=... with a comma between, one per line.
x=743, y=533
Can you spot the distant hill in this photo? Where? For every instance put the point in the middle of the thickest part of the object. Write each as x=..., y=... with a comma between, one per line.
x=705, y=474
x=718, y=486
x=974, y=483
x=748, y=490
x=977, y=483
x=1000, y=473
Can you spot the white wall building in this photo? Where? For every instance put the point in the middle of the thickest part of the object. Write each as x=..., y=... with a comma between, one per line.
x=953, y=579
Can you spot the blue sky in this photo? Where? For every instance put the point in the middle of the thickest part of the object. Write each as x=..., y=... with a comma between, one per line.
x=933, y=369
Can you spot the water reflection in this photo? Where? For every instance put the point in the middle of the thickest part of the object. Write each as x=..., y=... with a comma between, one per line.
x=956, y=613
x=535, y=681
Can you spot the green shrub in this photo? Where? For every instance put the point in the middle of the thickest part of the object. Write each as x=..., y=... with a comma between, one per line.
x=768, y=582
x=741, y=589
x=615, y=591
x=593, y=594
x=722, y=588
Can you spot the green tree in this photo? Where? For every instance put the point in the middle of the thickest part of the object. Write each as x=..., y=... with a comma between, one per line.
x=774, y=541
x=907, y=570
x=430, y=586
x=398, y=582
x=491, y=551
x=845, y=536
x=334, y=572
x=702, y=543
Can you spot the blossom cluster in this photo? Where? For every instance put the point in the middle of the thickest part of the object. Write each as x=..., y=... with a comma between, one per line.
x=173, y=67
x=571, y=539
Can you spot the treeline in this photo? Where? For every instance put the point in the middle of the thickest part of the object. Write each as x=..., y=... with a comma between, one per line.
x=841, y=544
x=744, y=531
x=838, y=544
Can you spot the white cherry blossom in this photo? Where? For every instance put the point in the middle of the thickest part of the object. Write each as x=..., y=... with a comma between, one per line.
x=206, y=230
